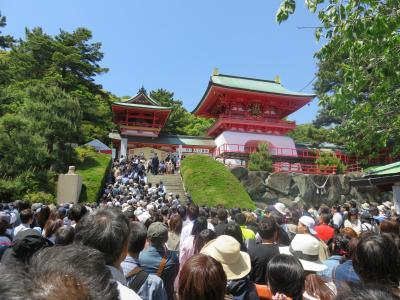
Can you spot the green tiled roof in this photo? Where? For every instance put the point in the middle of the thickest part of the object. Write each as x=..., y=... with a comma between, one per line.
x=142, y=106
x=252, y=84
x=386, y=170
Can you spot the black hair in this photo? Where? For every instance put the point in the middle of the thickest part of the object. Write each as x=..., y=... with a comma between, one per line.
x=203, y=238
x=222, y=214
x=192, y=211
x=352, y=291
x=277, y=216
x=76, y=212
x=199, y=224
x=286, y=275
x=326, y=217
x=182, y=212
x=26, y=215
x=64, y=235
x=240, y=219
x=75, y=270
x=137, y=237
x=376, y=260
x=233, y=229
x=267, y=228
x=106, y=230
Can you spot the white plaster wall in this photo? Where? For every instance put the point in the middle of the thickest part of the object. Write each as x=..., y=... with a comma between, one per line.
x=236, y=140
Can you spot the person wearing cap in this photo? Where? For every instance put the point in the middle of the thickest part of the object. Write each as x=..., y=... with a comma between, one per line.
x=307, y=226
x=236, y=264
x=157, y=259
x=147, y=286
x=306, y=249
x=353, y=220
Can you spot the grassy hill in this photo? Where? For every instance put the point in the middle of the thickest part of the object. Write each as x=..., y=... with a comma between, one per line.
x=93, y=168
x=210, y=182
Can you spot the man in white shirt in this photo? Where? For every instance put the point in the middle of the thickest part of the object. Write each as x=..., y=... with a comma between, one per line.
x=337, y=217
x=108, y=230
x=192, y=213
x=26, y=217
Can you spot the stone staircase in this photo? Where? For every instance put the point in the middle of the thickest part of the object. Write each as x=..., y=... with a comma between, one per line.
x=172, y=182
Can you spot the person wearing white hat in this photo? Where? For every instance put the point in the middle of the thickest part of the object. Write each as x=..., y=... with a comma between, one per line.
x=281, y=208
x=236, y=264
x=307, y=226
x=306, y=249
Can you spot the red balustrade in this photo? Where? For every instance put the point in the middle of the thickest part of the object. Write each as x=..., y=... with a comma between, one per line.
x=304, y=168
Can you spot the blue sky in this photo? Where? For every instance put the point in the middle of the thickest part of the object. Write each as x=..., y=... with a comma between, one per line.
x=175, y=44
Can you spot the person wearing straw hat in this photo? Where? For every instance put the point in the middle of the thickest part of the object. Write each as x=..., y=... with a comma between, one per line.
x=236, y=264
x=306, y=249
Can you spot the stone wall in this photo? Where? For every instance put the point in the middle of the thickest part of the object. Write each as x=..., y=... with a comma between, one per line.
x=269, y=188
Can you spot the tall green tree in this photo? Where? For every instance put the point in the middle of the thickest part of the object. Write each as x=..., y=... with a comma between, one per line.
x=56, y=116
x=180, y=120
x=70, y=61
x=5, y=40
x=358, y=79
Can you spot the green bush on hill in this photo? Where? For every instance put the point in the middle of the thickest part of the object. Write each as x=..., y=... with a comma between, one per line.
x=93, y=168
x=210, y=182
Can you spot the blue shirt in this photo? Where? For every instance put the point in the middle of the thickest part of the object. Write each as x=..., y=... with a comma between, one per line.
x=150, y=260
x=345, y=272
x=331, y=263
x=152, y=288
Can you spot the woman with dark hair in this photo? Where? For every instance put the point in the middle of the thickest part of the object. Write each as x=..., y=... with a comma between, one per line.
x=203, y=238
x=187, y=248
x=285, y=277
x=174, y=232
x=50, y=229
x=202, y=278
x=377, y=260
x=233, y=229
x=41, y=215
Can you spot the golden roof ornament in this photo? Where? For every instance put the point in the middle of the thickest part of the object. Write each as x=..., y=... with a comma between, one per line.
x=277, y=79
x=215, y=72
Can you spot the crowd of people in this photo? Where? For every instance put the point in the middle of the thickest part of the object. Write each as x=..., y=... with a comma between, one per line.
x=141, y=242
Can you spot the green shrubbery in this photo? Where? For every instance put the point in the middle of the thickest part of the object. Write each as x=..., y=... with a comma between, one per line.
x=330, y=159
x=261, y=160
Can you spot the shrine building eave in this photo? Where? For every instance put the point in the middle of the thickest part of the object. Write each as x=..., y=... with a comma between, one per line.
x=234, y=88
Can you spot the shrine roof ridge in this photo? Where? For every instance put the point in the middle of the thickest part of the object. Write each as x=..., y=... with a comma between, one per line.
x=254, y=85
x=142, y=106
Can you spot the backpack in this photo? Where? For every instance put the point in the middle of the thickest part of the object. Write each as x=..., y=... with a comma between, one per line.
x=136, y=278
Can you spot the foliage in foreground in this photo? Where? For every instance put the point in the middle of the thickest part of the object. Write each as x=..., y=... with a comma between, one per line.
x=93, y=167
x=210, y=182
x=261, y=160
x=358, y=76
